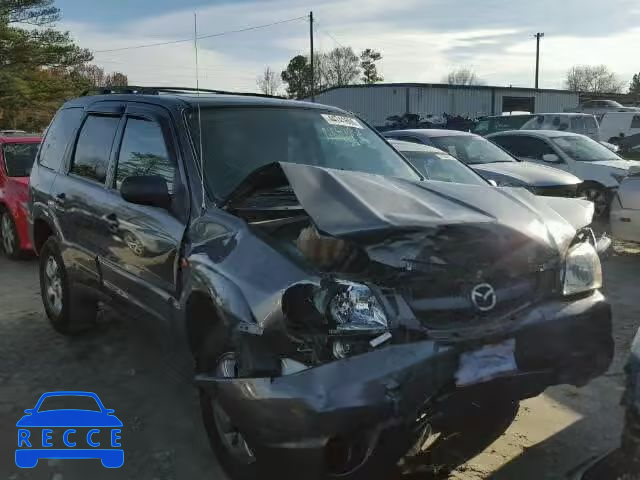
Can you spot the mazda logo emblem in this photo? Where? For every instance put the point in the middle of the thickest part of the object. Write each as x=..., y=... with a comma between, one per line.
x=483, y=297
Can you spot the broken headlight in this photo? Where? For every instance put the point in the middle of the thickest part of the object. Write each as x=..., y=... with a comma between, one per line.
x=355, y=309
x=582, y=271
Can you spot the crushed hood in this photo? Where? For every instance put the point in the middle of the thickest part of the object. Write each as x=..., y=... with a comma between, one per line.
x=355, y=204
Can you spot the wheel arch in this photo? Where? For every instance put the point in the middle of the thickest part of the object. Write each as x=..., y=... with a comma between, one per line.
x=42, y=230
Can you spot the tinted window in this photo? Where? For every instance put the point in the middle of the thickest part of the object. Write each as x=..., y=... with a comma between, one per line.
x=19, y=158
x=524, y=147
x=91, y=158
x=635, y=123
x=58, y=136
x=144, y=152
x=237, y=141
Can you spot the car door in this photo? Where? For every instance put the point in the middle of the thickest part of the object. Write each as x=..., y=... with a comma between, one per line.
x=79, y=194
x=140, y=258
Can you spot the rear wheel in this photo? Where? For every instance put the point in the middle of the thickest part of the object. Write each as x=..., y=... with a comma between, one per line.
x=9, y=234
x=68, y=313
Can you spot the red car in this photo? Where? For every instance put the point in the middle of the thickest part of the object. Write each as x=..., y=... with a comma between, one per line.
x=17, y=154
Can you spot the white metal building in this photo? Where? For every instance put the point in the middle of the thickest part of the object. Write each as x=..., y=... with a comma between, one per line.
x=375, y=103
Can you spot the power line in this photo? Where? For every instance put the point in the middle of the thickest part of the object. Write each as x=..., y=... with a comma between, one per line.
x=219, y=34
x=329, y=35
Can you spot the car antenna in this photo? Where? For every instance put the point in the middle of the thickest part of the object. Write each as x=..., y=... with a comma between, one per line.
x=195, y=45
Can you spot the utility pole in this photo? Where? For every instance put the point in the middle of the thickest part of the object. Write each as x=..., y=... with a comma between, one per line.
x=538, y=36
x=313, y=73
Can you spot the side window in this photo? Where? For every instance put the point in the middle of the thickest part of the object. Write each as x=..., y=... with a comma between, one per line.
x=635, y=123
x=144, y=152
x=510, y=144
x=534, y=148
x=93, y=149
x=58, y=136
x=577, y=124
x=524, y=147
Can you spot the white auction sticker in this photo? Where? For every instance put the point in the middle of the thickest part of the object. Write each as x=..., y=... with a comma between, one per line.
x=341, y=120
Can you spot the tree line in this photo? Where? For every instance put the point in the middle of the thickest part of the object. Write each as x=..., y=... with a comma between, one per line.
x=341, y=66
x=40, y=66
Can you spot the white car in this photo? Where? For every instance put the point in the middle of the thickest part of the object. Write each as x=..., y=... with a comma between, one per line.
x=615, y=125
x=625, y=209
x=600, y=107
x=600, y=169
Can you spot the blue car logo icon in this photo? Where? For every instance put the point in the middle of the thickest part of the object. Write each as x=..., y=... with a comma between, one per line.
x=84, y=433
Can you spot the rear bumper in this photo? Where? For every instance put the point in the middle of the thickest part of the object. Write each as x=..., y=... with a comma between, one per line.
x=558, y=342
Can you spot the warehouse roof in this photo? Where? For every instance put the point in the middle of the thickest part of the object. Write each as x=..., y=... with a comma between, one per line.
x=446, y=85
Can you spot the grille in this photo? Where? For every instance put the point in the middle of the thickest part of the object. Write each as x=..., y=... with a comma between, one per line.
x=567, y=191
x=440, y=306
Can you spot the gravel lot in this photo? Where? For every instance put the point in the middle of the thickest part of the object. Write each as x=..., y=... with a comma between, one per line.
x=162, y=435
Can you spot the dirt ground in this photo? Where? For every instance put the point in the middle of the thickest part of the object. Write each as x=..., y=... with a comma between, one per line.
x=162, y=435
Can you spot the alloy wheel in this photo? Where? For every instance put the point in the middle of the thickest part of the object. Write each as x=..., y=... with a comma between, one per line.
x=8, y=234
x=53, y=285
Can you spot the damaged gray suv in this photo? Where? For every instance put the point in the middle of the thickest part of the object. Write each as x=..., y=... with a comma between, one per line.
x=341, y=310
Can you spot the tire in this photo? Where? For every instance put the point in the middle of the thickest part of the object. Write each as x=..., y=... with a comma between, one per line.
x=391, y=445
x=600, y=198
x=9, y=235
x=68, y=314
x=207, y=357
x=462, y=439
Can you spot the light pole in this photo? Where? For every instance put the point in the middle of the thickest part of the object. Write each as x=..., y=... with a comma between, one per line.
x=538, y=36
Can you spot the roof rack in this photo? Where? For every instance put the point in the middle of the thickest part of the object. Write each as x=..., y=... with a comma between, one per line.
x=131, y=89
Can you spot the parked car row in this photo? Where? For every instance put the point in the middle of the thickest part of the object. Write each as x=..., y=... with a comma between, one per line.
x=308, y=267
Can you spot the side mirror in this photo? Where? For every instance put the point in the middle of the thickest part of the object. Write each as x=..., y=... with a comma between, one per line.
x=149, y=190
x=551, y=158
x=29, y=411
x=109, y=411
x=493, y=183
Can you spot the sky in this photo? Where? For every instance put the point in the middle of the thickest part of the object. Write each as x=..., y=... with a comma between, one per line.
x=420, y=40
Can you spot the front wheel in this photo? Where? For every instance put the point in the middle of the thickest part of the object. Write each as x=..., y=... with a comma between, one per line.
x=600, y=198
x=67, y=313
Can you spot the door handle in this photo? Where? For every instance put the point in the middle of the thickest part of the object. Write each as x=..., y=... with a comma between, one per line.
x=112, y=222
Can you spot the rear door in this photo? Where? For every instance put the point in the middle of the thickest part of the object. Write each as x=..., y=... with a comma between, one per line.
x=78, y=197
x=140, y=258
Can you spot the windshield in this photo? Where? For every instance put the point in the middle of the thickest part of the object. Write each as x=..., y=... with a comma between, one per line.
x=237, y=141
x=19, y=158
x=440, y=166
x=472, y=150
x=583, y=149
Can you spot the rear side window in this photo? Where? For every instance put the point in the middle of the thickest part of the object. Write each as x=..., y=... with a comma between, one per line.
x=635, y=123
x=144, y=152
x=91, y=157
x=19, y=157
x=58, y=136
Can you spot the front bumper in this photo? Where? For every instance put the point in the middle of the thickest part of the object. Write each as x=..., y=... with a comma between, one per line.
x=557, y=342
